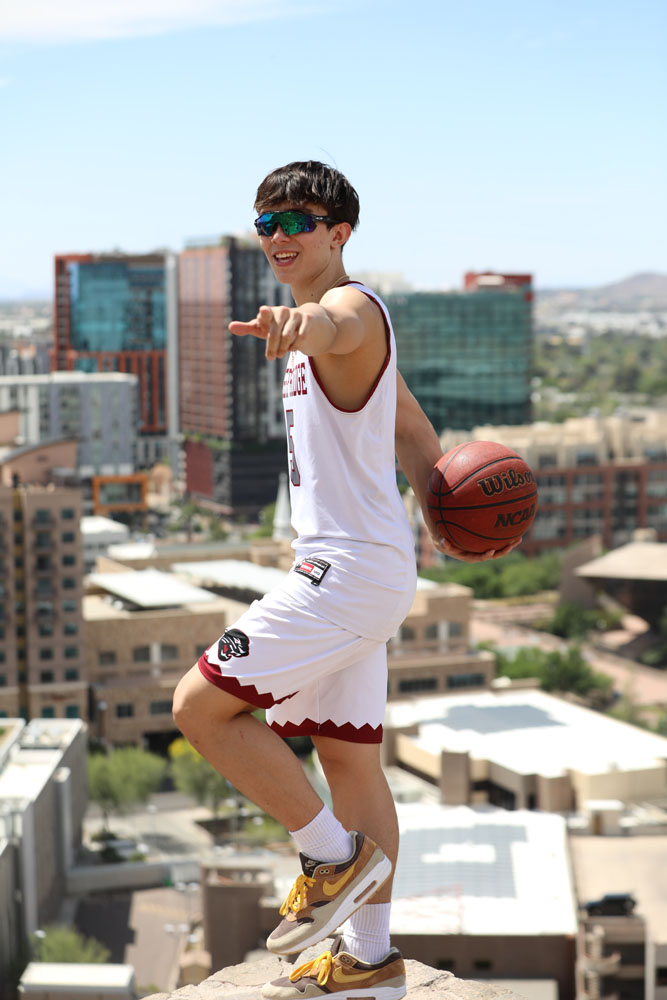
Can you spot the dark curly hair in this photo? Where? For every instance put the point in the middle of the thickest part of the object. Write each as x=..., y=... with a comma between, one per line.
x=310, y=182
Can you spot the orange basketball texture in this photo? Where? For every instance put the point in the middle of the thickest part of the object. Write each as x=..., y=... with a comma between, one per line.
x=481, y=496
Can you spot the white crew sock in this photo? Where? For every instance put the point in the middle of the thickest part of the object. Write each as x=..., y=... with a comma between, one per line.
x=324, y=838
x=366, y=933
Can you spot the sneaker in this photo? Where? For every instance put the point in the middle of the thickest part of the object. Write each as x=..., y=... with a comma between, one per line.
x=337, y=973
x=325, y=895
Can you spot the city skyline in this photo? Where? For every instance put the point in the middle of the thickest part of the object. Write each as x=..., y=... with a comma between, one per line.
x=523, y=139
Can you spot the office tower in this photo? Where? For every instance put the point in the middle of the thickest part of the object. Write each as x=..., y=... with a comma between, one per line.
x=467, y=356
x=230, y=396
x=112, y=314
x=42, y=663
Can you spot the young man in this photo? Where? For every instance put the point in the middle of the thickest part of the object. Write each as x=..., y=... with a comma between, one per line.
x=313, y=652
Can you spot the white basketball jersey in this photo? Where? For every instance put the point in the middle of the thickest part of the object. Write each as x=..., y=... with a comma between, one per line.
x=355, y=552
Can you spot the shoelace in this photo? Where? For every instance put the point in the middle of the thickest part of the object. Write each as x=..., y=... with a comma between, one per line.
x=320, y=965
x=298, y=895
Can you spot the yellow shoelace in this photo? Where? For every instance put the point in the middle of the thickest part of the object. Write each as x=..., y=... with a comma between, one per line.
x=320, y=965
x=298, y=895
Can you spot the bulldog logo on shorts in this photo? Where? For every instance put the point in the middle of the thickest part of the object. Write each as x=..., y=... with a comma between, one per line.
x=233, y=642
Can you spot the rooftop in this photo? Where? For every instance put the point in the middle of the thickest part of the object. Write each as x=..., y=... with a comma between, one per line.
x=481, y=870
x=36, y=751
x=499, y=727
x=151, y=588
x=635, y=561
x=80, y=976
x=233, y=573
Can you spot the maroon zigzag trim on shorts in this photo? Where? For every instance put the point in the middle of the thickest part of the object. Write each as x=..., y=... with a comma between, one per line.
x=347, y=732
x=246, y=692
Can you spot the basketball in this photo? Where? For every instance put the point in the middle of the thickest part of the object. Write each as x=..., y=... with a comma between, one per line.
x=481, y=496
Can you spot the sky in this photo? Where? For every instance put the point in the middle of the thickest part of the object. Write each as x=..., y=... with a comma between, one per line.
x=514, y=136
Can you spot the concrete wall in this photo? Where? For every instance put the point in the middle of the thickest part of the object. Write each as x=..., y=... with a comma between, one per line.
x=496, y=957
x=628, y=786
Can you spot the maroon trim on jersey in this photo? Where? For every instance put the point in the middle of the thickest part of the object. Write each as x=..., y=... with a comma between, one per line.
x=372, y=389
x=347, y=732
x=246, y=692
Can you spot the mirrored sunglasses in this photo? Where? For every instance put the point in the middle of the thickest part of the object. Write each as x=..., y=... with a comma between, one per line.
x=291, y=222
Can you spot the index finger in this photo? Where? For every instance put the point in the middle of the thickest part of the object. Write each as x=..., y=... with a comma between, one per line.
x=240, y=329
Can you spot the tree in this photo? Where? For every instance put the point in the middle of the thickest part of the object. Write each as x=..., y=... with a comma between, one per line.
x=60, y=943
x=193, y=775
x=514, y=575
x=557, y=671
x=123, y=778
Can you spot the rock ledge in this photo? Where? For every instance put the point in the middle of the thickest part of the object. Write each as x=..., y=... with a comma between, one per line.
x=243, y=982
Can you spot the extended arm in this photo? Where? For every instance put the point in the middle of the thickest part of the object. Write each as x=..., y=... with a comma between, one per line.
x=335, y=325
x=418, y=449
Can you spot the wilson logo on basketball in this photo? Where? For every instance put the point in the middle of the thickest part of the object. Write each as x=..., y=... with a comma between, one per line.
x=509, y=480
x=512, y=518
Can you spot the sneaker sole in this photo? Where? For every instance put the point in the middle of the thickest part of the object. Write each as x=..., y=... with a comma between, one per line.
x=365, y=993
x=374, y=879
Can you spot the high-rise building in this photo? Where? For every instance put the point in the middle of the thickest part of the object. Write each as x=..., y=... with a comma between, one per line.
x=98, y=411
x=113, y=314
x=230, y=396
x=42, y=661
x=468, y=356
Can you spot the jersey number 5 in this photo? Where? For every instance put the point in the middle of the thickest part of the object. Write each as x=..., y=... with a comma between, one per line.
x=294, y=473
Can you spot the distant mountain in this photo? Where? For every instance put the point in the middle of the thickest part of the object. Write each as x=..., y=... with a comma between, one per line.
x=640, y=291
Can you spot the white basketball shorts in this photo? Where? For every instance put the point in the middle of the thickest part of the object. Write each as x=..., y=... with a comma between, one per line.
x=313, y=677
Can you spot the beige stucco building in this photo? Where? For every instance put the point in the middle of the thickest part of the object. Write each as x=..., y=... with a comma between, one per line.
x=525, y=749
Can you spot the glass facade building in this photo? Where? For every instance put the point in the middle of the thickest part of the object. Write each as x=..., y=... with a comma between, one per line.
x=117, y=305
x=467, y=356
x=111, y=315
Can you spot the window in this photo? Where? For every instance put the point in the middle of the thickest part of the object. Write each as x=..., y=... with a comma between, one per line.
x=2, y=656
x=71, y=711
x=125, y=710
x=71, y=652
x=42, y=515
x=69, y=606
x=46, y=653
x=141, y=654
x=407, y=634
x=418, y=684
x=161, y=707
x=43, y=539
x=69, y=560
x=71, y=674
x=70, y=628
x=67, y=514
x=3, y=680
x=105, y=657
x=69, y=583
x=168, y=652
x=43, y=563
x=482, y=963
x=67, y=537
x=48, y=712
x=466, y=680
x=45, y=628
x=46, y=677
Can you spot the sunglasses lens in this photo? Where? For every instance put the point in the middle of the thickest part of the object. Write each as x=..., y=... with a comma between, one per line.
x=266, y=223
x=295, y=222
